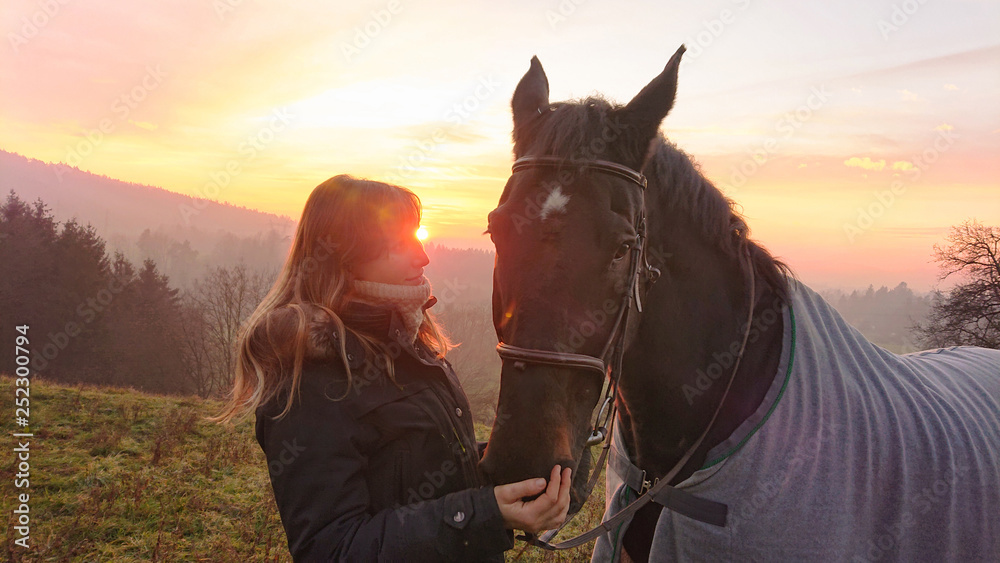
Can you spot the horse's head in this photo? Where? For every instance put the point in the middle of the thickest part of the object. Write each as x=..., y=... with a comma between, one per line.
x=567, y=232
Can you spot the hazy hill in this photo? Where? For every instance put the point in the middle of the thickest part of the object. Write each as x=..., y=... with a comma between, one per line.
x=123, y=208
x=149, y=222
x=183, y=235
x=885, y=316
x=460, y=276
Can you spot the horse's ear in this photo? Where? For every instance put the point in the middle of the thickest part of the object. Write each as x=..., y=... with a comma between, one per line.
x=648, y=108
x=531, y=96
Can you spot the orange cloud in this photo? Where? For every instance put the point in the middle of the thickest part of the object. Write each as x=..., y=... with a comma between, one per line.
x=144, y=125
x=864, y=163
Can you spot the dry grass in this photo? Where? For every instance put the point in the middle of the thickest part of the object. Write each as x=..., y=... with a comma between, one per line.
x=119, y=475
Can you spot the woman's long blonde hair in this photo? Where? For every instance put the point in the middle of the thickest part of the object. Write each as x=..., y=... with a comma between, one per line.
x=346, y=221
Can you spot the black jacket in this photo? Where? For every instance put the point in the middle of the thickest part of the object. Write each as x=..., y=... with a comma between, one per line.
x=389, y=472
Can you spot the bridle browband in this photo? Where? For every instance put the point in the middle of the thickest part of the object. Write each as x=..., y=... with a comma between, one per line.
x=600, y=165
x=609, y=363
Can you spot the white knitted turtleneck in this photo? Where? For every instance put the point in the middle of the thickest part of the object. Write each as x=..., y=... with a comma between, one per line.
x=407, y=300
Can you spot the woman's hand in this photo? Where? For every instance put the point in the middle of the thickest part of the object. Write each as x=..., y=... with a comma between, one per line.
x=546, y=512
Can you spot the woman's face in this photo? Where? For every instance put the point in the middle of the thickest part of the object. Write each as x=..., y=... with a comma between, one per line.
x=401, y=264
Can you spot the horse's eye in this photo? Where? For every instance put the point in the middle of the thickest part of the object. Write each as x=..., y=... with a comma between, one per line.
x=623, y=250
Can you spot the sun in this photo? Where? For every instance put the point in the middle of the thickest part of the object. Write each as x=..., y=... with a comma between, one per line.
x=422, y=233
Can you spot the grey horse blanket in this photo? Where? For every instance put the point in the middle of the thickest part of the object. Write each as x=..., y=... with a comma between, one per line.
x=855, y=454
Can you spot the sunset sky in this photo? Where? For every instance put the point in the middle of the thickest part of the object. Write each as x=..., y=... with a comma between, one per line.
x=806, y=113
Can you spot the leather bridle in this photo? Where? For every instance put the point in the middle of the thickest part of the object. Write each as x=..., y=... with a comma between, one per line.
x=609, y=362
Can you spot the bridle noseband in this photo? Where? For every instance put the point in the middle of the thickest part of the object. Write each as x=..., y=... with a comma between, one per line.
x=609, y=363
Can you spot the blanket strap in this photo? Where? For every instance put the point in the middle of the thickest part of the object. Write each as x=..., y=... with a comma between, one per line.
x=677, y=500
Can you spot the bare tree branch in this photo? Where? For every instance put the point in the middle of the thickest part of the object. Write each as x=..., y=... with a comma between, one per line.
x=218, y=306
x=969, y=314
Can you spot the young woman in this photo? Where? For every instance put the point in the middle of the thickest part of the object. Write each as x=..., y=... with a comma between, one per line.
x=367, y=432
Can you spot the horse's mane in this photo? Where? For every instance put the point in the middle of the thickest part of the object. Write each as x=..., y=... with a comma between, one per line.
x=570, y=130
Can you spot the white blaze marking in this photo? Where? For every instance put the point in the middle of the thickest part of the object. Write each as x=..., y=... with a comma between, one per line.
x=556, y=203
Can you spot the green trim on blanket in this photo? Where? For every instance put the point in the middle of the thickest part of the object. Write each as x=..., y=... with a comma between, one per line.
x=614, y=547
x=788, y=375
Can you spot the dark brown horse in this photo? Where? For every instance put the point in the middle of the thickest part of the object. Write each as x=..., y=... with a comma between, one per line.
x=617, y=260
x=564, y=236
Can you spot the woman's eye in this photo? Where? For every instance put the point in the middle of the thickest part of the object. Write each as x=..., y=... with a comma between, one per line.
x=623, y=250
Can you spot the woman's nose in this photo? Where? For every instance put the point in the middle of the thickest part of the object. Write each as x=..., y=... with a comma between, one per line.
x=420, y=258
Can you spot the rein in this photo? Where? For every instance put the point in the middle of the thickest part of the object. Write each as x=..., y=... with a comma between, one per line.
x=658, y=490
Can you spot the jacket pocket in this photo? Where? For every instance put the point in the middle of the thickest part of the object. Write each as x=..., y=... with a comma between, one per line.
x=368, y=398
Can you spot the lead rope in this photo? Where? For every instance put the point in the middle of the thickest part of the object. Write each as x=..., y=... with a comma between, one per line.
x=607, y=525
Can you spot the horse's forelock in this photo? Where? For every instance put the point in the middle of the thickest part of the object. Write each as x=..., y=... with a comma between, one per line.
x=588, y=129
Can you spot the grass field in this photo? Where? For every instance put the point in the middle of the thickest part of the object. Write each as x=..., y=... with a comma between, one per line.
x=119, y=475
